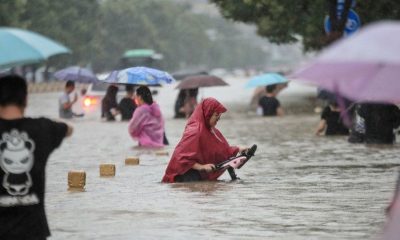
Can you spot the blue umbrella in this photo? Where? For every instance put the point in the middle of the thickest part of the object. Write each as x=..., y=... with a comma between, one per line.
x=19, y=47
x=77, y=74
x=266, y=79
x=139, y=76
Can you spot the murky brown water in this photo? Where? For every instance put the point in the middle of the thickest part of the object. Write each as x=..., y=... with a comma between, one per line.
x=298, y=186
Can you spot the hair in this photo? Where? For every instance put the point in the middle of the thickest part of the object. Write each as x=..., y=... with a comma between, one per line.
x=70, y=83
x=111, y=92
x=193, y=92
x=129, y=88
x=271, y=88
x=145, y=94
x=13, y=90
x=333, y=102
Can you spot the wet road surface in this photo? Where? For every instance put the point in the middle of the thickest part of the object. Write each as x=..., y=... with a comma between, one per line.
x=298, y=186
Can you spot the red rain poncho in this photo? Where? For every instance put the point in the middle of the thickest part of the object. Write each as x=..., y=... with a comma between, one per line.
x=200, y=143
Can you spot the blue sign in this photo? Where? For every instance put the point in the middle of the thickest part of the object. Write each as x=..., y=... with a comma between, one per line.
x=340, y=7
x=352, y=25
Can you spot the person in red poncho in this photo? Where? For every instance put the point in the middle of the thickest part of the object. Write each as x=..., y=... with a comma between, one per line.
x=202, y=146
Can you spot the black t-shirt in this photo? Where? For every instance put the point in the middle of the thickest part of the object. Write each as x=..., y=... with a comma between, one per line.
x=126, y=106
x=269, y=105
x=380, y=120
x=334, y=122
x=25, y=145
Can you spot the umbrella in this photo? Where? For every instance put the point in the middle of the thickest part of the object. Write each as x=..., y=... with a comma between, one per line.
x=363, y=67
x=266, y=79
x=184, y=74
x=198, y=81
x=139, y=76
x=19, y=47
x=77, y=74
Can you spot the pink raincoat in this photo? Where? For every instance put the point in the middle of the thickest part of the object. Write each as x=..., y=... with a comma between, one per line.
x=147, y=126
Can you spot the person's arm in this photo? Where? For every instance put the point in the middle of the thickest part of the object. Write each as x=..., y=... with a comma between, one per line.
x=242, y=149
x=68, y=105
x=279, y=111
x=206, y=167
x=114, y=111
x=136, y=122
x=321, y=127
x=70, y=130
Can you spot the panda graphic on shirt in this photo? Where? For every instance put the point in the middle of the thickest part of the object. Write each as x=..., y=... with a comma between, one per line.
x=16, y=160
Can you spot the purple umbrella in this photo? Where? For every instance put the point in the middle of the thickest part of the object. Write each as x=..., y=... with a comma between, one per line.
x=76, y=74
x=363, y=67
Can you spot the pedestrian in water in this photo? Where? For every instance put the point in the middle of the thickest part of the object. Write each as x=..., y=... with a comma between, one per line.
x=357, y=131
x=202, y=146
x=179, y=103
x=147, y=123
x=109, y=106
x=190, y=102
x=331, y=122
x=25, y=145
x=64, y=102
x=269, y=105
x=127, y=104
x=380, y=121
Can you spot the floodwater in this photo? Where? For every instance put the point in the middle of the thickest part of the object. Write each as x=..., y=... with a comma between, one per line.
x=298, y=186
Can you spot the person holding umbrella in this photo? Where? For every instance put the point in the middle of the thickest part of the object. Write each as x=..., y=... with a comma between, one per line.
x=273, y=83
x=190, y=102
x=109, y=105
x=269, y=105
x=65, y=103
x=147, y=123
x=189, y=89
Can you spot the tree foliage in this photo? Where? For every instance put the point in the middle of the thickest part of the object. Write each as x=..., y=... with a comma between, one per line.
x=99, y=31
x=282, y=21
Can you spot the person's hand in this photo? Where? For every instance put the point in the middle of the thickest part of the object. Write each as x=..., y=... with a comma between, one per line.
x=318, y=133
x=114, y=111
x=208, y=167
x=243, y=149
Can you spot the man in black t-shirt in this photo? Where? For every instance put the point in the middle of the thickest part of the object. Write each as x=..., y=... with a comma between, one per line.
x=25, y=145
x=331, y=122
x=268, y=104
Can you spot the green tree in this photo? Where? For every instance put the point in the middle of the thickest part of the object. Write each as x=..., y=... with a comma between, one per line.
x=10, y=12
x=72, y=22
x=172, y=29
x=100, y=31
x=282, y=21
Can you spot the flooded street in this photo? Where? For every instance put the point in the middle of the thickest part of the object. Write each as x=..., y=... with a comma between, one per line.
x=298, y=186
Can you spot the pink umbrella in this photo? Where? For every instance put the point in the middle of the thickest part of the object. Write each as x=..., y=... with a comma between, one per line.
x=364, y=66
